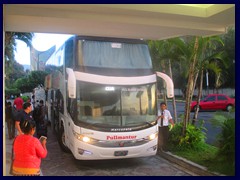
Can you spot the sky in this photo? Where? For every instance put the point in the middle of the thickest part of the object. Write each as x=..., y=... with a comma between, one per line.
x=41, y=42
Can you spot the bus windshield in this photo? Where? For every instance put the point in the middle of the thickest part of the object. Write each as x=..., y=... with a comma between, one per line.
x=115, y=106
x=101, y=54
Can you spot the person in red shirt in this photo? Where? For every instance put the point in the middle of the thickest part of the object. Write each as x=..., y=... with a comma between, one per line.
x=28, y=151
x=18, y=103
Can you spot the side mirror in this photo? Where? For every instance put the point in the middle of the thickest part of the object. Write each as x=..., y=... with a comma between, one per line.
x=169, y=84
x=71, y=83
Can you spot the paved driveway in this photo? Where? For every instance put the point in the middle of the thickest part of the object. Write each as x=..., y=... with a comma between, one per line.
x=59, y=163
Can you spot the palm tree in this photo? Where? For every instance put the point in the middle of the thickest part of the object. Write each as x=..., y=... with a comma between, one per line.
x=187, y=52
x=197, y=54
x=10, y=47
x=190, y=84
x=10, y=42
x=208, y=56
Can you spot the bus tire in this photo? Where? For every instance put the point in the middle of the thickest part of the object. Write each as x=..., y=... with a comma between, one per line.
x=61, y=140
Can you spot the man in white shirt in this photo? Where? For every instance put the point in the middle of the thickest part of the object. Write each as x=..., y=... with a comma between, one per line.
x=164, y=117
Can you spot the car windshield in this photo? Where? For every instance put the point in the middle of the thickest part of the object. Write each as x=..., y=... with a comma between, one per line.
x=115, y=106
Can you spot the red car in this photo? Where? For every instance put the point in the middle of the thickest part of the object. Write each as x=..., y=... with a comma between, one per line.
x=215, y=102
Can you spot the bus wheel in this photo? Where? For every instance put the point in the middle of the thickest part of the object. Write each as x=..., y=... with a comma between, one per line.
x=61, y=140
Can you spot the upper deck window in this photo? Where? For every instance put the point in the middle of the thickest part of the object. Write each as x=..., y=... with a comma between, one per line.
x=115, y=55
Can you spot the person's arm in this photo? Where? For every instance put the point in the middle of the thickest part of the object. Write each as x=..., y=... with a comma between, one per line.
x=170, y=118
x=41, y=148
x=171, y=121
x=18, y=119
x=17, y=126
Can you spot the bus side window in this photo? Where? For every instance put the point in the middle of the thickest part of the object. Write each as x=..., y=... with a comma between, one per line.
x=69, y=54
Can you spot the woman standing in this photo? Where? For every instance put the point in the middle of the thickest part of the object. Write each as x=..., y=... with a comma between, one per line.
x=28, y=151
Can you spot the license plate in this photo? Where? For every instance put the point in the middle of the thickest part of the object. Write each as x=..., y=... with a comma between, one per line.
x=120, y=153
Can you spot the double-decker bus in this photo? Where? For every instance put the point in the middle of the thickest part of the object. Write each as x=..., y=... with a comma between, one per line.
x=102, y=98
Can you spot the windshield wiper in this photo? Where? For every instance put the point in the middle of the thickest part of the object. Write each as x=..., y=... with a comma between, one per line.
x=150, y=123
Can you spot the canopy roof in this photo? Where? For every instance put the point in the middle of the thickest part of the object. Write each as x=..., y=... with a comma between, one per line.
x=140, y=21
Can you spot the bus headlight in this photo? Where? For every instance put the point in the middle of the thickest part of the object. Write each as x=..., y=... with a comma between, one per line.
x=152, y=136
x=82, y=137
x=86, y=139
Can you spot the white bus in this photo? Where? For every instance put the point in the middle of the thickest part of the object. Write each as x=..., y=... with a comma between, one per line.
x=103, y=98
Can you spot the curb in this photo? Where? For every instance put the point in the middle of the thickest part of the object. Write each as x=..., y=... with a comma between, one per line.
x=189, y=165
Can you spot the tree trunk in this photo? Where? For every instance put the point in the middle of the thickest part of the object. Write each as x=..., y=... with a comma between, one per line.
x=189, y=91
x=173, y=99
x=195, y=82
x=182, y=88
x=198, y=98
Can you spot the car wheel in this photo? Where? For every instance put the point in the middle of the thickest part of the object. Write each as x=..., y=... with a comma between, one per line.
x=61, y=140
x=229, y=108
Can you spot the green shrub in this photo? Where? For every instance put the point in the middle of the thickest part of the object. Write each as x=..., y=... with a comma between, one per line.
x=226, y=139
x=194, y=138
